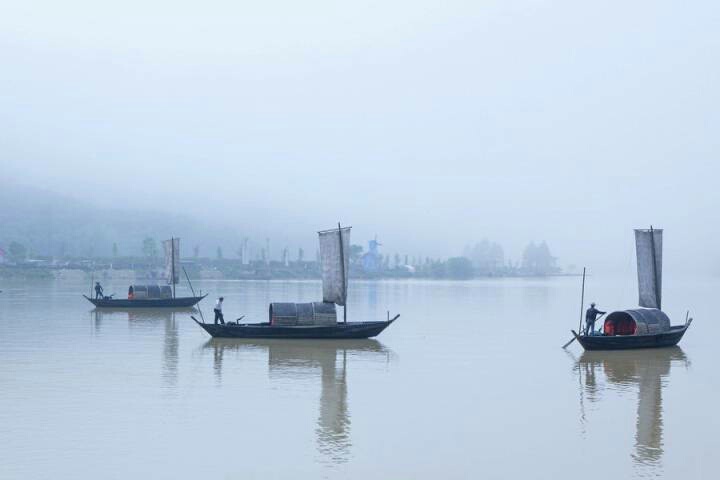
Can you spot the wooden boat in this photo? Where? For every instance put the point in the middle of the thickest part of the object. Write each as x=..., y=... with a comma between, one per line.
x=669, y=338
x=155, y=296
x=267, y=330
x=311, y=320
x=647, y=327
x=123, y=303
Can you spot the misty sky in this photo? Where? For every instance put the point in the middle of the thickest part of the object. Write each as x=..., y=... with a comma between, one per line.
x=432, y=124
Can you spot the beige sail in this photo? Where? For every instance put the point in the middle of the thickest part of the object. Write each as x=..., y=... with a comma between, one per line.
x=172, y=247
x=649, y=267
x=334, y=263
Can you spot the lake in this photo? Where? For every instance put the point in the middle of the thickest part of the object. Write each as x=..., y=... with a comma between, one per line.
x=470, y=382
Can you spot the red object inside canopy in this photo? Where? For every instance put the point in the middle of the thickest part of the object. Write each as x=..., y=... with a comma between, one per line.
x=624, y=325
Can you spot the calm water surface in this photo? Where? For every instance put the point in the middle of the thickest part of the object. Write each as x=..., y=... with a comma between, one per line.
x=470, y=382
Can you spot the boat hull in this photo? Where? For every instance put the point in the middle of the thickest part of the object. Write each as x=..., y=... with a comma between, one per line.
x=180, y=302
x=627, y=342
x=265, y=330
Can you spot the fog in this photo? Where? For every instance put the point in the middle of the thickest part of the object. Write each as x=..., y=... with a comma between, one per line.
x=430, y=124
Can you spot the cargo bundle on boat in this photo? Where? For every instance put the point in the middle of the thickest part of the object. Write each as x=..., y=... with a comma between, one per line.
x=647, y=327
x=315, y=319
x=154, y=296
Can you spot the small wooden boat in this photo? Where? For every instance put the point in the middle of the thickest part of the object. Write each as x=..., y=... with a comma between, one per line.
x=154, y=296
x=669, y=338
x=123, y=303
x=647, y=327
x=315, y=319
x=267, y=330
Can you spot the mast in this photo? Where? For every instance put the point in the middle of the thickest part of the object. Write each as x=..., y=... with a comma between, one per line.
x=582, y=302
x=654, y=268
x=172, y=253
x=342, y=269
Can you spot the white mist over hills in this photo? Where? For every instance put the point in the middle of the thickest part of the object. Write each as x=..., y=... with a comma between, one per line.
x=433, y=125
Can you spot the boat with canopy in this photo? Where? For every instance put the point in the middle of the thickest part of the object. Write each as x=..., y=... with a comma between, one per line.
x=316, y=319
x=646, y=327
x=155, y=296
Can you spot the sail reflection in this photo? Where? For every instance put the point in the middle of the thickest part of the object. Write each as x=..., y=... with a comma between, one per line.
x=324, y=358
x=139, y=317
x=644, y=370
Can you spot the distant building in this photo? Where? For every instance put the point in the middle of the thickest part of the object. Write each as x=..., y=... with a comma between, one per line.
x=372, y=260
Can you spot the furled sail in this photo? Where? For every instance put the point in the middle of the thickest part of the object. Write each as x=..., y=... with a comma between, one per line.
x=334, y=262
x=172, y=248
x=649, y=267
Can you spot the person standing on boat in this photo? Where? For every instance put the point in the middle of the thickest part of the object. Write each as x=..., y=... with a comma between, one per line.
x=590, y=317
x=98, y=290
x=218, y=311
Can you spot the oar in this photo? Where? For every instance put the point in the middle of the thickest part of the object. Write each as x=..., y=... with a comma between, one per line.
x=571, y=340
x=575, y=335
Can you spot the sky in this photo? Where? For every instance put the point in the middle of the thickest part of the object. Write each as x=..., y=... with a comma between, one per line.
x=430, y=124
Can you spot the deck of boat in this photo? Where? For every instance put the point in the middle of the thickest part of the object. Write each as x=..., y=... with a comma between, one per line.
x=179, y=302
x=265, y=330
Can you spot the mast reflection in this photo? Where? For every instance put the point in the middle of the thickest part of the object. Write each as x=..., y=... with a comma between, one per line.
x=140, y=317
x=647, y=370
x=324, y=358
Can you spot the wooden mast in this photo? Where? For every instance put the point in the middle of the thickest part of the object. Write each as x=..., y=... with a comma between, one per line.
x=582, y=302
x=654, y=267
x=342, y=270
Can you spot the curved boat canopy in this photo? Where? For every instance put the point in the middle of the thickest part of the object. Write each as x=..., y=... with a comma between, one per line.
x=640, y=321
x=316, y=313
x=151, y=291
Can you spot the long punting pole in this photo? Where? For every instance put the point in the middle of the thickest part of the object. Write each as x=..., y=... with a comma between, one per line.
x=654, y=265
x=582, y=302
x=582, y=305
x=172, y=251
x=342, y=269
x=193, y=292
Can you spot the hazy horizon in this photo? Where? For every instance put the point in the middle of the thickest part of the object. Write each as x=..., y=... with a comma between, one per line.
x=432, y=126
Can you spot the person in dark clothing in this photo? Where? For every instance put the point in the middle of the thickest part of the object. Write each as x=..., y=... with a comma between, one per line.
x=590, y=317
x=218, y=311
x=98, y=291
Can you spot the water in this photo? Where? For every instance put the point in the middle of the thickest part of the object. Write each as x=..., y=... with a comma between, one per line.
x=470, y=382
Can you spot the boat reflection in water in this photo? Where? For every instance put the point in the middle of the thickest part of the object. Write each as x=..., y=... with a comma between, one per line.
x=646, y=370
x=330, y=359
x=149, y=317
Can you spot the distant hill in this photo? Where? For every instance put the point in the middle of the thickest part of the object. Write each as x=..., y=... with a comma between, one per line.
x=50, y=224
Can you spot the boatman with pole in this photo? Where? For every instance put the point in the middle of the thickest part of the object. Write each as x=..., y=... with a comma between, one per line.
x=591, y=315
x=218, y=311
x=98, y=291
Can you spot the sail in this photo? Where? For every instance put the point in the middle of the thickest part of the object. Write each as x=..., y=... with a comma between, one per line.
x=649, y=267
x=172, y=247
x=334, y=262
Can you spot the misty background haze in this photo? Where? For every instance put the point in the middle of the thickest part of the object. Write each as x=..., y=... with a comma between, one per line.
x=431, y=124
